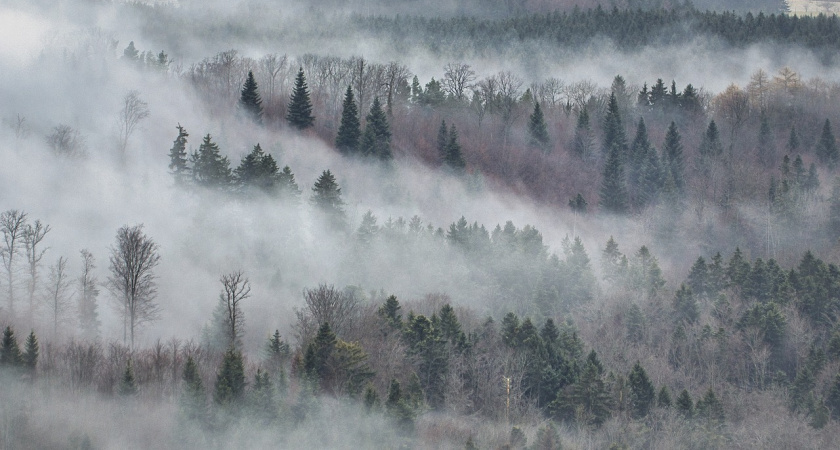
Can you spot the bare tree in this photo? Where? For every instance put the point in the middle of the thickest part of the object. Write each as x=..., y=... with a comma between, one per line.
x=66, y=141
x=271, y=65
x=133, y=112
x=132, y=279
x=12, y=225
x=58, y=293
x=32, y=237
x=457, y=80
x=326, y=304
x=88, y=293
x=235, y=288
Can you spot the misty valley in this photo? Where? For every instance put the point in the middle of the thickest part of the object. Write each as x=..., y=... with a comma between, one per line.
x=482, y=224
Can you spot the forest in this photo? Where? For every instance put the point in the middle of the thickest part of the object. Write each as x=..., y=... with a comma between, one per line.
x=379, y=225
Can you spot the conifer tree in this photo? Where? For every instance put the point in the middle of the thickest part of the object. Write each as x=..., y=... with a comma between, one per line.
x=685, y=305
x=193, y=401
x=258, y=170
x=287, y=187
x=766, y=149
x=663, y=399
x=230, y=379
x=299, y=114
x=826, y=149
x=537, y=129
x=88, y=292
x=210, y=168
x=685, y=405
x=642, y=392
x=178, y=156
x=636, y=161
x=249, y=100
x=29, y=358
x=326, y=197
x=673, y=154
x=376, y=140
x=834, y=210
x=584, y=141
x=454, y=158
x=698, y=277
x=9, y=350
x=652, y=180
x=614, y=135
x=793, y=141
x=613, y=185
x=710, y=408
x=711, y=145
x=128, y=386
x=350, y=130
x=443, y=141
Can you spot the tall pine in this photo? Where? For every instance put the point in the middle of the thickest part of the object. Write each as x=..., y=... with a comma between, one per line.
x=613, y=185
x=326, y=197
x=249, y=100
x=178, y=156
x=299, y=114
x=537, y=130
x=454, y=158
x=827, y=150
x=614, y=135
x=672, y=151
x=376, y=140
x=210, y=168
x=350, y=130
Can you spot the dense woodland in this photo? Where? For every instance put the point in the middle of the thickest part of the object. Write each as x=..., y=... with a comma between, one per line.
x=693, y=302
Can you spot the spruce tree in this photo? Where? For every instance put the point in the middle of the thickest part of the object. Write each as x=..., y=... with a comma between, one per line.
x=210, y=168
x=443, y=141
x=793, y=141
x=454, y=158
x=614, y=135
x=193, y=401
x=249, y=100
x=613, y=185
x=299, y=114
x=230, y=379
x=685, y=405
x=287, y=187
x=673, y=153
x=710, y=145
x=584, y=142
x=834, y=210
x=766, y=149
x=636, y=161
x=350, y=130
x=128, y=386
x=376, y=140
x=178, y=156
x=9, y=350
x=326, y=197
x=29, y=358
x=826, y=149
x=663, y=399
x=642, y=392
x=685, y=305
x=537, y=130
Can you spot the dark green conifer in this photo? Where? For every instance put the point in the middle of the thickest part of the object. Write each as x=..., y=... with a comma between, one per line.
x=326, y=197
x=685, y=405
x=584, y=141
x=193, y=401
x=178, y=156
x=710, y=408
x=454, y=158
x=672, y=152
x=376, y=140
x=663, y=399
x=350, y=130
x=642, y=392
x=128, y=387
x=826, y=149
x=711, y=145
x=210, y=168
x=614, y=135
x=230, y=379
x=537, y=130
x=299, y=113
x=10, y=350
x=249, y=100
x=685, y=305
x=30, y=355
x=613, y=185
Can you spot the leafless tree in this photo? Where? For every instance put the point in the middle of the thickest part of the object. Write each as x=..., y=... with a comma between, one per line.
x=235, y=288
x=58, y=293
x=326, y=304
x=132, y=279
x=88, y=292
x=134, y=111
x=19, y=126
x=32, y=237
x=271, y=65
x=66, y=141
x=12, y=225
x=458, y=79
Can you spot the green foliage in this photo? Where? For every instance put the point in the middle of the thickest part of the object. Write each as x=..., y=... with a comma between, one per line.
x=10, y=355
x=768, y=320
x=390, y=311
x=209, y=167
x=249, y=100
x=613, y=191
x=350, y=130
x=193, y=402
x=537, y=130
x=128, y=387
x=642, y=392
x=685, y=405
x=371, y=399
x=698, y=278
x=636, y=324
x=454, y=159
x=230, y=380
x=583, y=143
x=615, y=139
x=261, y=399
x=376, y=140
x=299, y=113
x=710, y=408
x=826, y=149
x=685, y=306
x=547, y=438
x=178, y=157
x=258, y=171
x=326, y=197
x=29, y=358
x=663, y=399
x=672, y=153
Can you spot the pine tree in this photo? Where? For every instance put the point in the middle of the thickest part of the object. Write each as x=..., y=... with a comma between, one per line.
x=326, y=197
x=673, y=155
x=30, y=355
x=258, y=170
x=578, y=204
x=613, y=186
x=711, y=145
x=454, y=158
x=710, y=408
x=663, y=399
x=537, y=129
x=376, y=140
x=834, y=210
x=128, y=386
x=350, y=130
x=249, y=100
x=793, y=141
x=584, y=141
x=652, y=180
x=230, y=379
x=178, y=157
x=698, y=277
x=9, y=350
x=210, y=168
x=287, y=187
x=614, y=135
x=642, y=392
x=685, y=305
x=443, y=141
x=636, y=161
x=193, y=401
x=299, y=113
x=766, y=149
x=826, y=149
x=685, y=405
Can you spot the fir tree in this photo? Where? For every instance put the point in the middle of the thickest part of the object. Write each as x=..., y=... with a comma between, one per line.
x=454, y=158
x=249, y=100
x=685, y=405
x=193, y=402
x=642, y=392
x=326, y=197
x=10, y=350
x=376, y=140
x=210, y=168
x=443, y=141
x=578, y=204
x=766, y=149
x=663, y=399
x=636, y=161
x=230, y=379
x=584, y=142
x=698, y=277
x=711, y=145
x=178, y=156
x=793, y=141
x=537, y=129
x=371, y=399
x=613, y=186
x=614, y=135
x=30, y=356
x=673, y=155
x=287, y=187
x=350, y=130
x=710, y=408
x=685, y=305
x=128, y=387
x=834, y=210
x=826, y=149
x=299, y=113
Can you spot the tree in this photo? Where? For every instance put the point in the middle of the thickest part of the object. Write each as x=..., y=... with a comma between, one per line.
x=128, y=386
x=29, y=358
x=326, y=304
x=584, y=140
x=132, y=278
x=13, y=227
x=299, y=114
x=457, y=80
x=350, y=130
x=673, y=155
x=230, y=379
x=685, y=405
x=9, y=350
x=249, y=100
x=210, y=168
x=228, y=316
x=685, y=305
x=134, y=111
x=826, y=149
x=376, y=140
x=614, y=135
x=537, y=129
x=32, y=237
x=178, y=156
x=130, y=53
x=88, y=292
x=287, y=187
x=642, y=392
x=710, y=145
x=326, y=197
x=258, y=171
x=193, y=398
x=766, y=147
x=58, y=293
x=454, y=158
x=613, y=185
